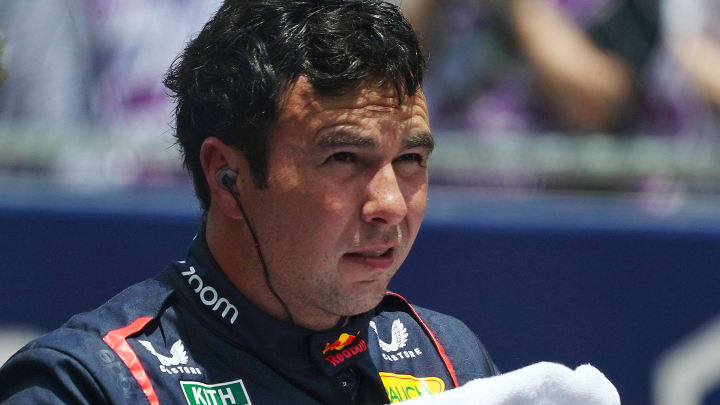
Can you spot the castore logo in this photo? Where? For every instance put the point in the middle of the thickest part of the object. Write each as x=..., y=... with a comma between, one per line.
x=399, y=340
x=175, y=363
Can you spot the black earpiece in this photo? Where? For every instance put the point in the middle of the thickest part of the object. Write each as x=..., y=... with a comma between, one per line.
x=227, y=178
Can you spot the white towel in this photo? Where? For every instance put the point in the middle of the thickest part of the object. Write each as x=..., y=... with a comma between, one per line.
x=538, y=384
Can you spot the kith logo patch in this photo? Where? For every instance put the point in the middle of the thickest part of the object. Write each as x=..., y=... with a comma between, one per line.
x=399, y=340
x=175, y=363
x=228, y=393
x=345, y=347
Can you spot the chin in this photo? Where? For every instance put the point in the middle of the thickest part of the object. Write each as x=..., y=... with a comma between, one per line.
x=358, y=304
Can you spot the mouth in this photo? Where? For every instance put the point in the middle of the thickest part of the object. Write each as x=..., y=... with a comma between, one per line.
x=373, y=258
x=372, y=253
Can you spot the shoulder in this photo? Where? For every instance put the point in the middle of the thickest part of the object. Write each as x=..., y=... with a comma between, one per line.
x=467, y=354
x=144, y=299
x=448, y=328
x=40, y=374
x=75, y=363
x=461, y=344
x=66, y=366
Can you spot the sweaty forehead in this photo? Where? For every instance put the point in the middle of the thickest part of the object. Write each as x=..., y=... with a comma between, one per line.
x=302, y=102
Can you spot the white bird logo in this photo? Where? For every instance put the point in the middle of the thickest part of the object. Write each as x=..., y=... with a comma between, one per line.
x=399, y=336
x=179, y=355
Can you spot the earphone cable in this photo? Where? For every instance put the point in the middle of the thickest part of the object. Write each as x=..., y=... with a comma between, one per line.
x=256, y=243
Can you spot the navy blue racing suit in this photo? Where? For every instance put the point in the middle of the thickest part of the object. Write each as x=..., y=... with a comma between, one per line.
x=188, y=336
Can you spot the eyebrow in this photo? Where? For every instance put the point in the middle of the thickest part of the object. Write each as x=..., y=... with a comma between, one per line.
x=422, y=140
x=340, y=138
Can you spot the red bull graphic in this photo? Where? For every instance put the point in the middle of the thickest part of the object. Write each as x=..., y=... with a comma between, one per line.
x=343, y=341
x=346, y=345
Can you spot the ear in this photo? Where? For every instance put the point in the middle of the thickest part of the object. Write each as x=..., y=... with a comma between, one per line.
x=215, y=155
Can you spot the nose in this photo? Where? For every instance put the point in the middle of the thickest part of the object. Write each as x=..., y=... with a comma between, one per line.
x=385, y=204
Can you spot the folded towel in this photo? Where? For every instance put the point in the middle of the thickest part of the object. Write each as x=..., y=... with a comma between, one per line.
x=538, y=384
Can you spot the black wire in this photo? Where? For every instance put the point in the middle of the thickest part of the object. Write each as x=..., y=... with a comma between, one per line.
x=260, y=255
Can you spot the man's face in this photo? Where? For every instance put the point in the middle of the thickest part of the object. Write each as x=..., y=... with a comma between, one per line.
x=347, y=188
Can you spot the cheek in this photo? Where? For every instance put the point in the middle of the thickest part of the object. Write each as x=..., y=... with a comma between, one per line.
x=416, y=201
x=335, y=205
x=332, y=216
x=320, y=216
x=336, y=200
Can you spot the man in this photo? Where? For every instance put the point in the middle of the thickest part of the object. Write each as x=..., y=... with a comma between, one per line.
x=305, y=128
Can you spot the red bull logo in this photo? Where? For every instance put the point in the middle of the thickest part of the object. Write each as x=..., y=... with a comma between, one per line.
x=346, y=345
x=343, y=341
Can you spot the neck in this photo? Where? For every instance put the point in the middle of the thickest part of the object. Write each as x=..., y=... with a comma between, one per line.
x=233, y=248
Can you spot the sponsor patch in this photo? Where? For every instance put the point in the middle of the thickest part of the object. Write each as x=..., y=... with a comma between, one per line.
x=399, y=336
x=401, y=387
x=227, y=393
x=209, y=296
x=399, y=341
x=114, y=365
x=345, y=347
x=343, y=341
x=176, y=363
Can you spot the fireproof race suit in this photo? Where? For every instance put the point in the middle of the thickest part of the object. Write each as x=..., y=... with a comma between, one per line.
x=188, y=336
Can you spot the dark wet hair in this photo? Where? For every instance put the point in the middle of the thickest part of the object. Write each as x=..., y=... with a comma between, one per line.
x=227, y=80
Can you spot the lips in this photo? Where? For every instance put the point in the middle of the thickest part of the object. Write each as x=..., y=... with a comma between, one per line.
x=376, y=257
x=372, y=253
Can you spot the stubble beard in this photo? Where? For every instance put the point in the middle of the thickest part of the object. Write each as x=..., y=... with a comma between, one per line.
x=333, y=301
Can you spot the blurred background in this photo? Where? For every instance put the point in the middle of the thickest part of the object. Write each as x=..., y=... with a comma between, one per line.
x=574, y=211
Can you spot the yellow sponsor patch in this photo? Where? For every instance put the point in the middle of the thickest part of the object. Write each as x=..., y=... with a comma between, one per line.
x=401, y=387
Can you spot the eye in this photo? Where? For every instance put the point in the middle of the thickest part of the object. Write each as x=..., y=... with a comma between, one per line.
x=341, y=157
x=411, y=157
